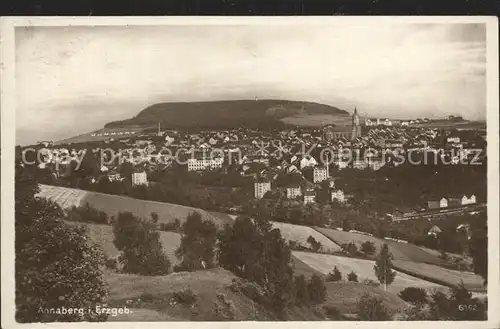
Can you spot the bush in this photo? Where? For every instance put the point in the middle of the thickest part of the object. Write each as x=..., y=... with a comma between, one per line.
x=413, y=295
x=334, y=276
x=417, y=313
x=223, y=308
x=87, y=214
x=249, y=289
x=368, y=248
x=186, y=297
x=372, y=309
x=332, y=313
x=371, y=283
x=353, y=277
x=112, y=263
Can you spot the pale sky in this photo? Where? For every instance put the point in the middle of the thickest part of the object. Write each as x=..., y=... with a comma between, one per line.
x=74, y=80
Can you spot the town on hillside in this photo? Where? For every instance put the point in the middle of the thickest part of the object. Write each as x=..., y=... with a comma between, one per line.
x=298, y=172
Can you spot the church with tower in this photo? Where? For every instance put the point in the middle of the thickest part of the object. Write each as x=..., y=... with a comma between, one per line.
x=356, y=127
x=334, y=133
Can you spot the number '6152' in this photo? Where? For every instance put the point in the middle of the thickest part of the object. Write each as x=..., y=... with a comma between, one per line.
x=463, y=307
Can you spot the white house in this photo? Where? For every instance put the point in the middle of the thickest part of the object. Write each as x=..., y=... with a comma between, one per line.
x=261, y=188
x=338, y=195
x=309, y=197
x=320, y=174
x=293, y=191
x=139, y=178
x=470, y=200
x=369, y=122
x=307, y=162
x=443, y=203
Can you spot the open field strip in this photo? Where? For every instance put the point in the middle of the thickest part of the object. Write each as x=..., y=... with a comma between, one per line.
x=400, y=251
x=441, y=275
x=113, y=204
x=301, y=233
x=363, y=268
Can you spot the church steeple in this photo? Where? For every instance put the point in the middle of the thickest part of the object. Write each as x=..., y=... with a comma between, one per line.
x=356, y=127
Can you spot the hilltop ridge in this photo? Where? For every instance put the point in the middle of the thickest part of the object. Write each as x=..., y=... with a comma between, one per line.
x=224, y=114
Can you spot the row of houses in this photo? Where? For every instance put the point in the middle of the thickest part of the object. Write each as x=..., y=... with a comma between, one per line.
x=452, y=202
x=305, y=191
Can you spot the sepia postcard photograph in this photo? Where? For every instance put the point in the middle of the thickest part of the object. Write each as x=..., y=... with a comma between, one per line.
x=265, y=171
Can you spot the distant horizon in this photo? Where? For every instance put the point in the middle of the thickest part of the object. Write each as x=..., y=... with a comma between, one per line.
x=73, y=80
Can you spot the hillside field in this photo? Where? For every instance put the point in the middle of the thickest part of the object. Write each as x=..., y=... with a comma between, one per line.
x=400, y=251
x=433, y=273
x=113, y=204
x=102, y=235
x=300, y=234
x=363, y=268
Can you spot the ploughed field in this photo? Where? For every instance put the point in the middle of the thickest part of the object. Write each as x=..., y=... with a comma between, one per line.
x=113, y=204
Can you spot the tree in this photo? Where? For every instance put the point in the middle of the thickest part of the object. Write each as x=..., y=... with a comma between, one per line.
x=317, y=290
x=314, y=244
x=353, y=277
x=368, y=248
x=54, y=265
x=349, y=248
x=140, y=246
x=346, y=225
x=413, y=295
x=335, y=275
x=198, y=240
x=372, y=309
x=383, y=267
x=251, y=249
x=155, y=218
x=301, y=290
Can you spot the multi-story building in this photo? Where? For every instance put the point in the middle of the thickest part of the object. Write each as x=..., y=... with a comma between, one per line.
x=320, y=173
x=293, y=192
x=139, y=178
x=201, y=163
x=309, y=196
x=261, y=188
